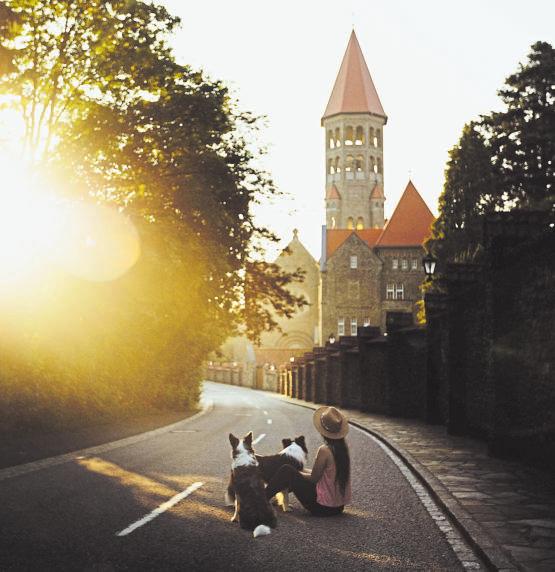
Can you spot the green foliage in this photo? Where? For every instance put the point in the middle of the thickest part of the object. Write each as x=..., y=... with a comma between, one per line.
x=468, y=193
x=522, y=138
x=505, y=161
x=109, y=111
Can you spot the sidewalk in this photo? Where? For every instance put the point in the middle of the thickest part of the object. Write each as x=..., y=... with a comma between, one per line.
x=505, y=509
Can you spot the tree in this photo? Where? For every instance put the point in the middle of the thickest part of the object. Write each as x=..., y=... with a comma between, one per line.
x=522, y=137
x=469, y=192
x=114, y=118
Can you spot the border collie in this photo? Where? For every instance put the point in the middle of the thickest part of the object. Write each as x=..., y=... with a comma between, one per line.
x=252, y=509
x=294, y=453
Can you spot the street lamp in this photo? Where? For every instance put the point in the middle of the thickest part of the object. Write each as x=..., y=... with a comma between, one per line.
x=331, y=339
x=429, y=263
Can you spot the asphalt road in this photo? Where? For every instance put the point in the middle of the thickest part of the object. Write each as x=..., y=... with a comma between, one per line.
x=68, y=516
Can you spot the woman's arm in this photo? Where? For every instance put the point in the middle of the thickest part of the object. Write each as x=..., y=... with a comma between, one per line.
x=320, y=464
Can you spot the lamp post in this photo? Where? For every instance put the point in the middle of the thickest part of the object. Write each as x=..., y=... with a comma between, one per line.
x=429, y=263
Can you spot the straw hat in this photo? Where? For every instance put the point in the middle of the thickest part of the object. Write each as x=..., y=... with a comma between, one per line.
x=330, y=422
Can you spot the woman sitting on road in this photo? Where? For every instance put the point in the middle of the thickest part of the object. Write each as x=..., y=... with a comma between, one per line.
x=326, y=489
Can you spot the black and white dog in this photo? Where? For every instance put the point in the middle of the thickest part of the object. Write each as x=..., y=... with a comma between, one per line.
x=252, y=509
x=294, y=453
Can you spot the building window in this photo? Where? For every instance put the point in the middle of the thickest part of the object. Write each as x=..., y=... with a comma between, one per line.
x=359, y=164
x=366, y=322
x=349, y=135
x=415, y=264
x=395, y=263
x=350, y=223
x=353, y=326
x=331, y=141
x=399, y=292
x=354, y=262
x=360, y=223
x=390, y=292
x=405, y=264
x=359, y=136
x=337, y=137
x=337, y=165
x=333, y=223
x=371, y=136
x=349, y=163
x=341, y=326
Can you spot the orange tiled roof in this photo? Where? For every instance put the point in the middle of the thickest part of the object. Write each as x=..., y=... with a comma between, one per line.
x=354, y=91
x=333, y=193
x=336, y=237
x=410, y=222
x=377, y=192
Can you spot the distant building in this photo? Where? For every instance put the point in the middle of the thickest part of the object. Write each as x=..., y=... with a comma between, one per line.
x=300, y=333
x=371, y=270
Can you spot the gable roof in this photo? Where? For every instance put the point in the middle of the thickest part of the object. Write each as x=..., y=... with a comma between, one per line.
x=354, y=90
x=333, y=193
x=377, y=192
x=410, y=222
x=336, y=237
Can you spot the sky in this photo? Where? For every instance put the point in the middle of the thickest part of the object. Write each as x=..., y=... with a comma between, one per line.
x=436, y=64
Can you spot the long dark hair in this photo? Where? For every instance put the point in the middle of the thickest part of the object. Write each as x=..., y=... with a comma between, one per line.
x=340, y=452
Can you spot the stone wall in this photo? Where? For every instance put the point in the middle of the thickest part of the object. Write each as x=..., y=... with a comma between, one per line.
x=350, y=292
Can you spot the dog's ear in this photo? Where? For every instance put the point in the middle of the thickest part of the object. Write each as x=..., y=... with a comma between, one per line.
x=233, y=440
x=300, y=440
x=247, y=439
x=286, y=443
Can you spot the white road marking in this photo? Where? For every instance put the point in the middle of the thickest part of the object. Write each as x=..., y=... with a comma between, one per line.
x=464, y=553
x=265, y=412
x=259, y=438
x=269, y=421
x=243, y=414
x=162, y=508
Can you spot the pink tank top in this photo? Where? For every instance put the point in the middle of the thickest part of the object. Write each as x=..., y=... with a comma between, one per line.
x=328, y=492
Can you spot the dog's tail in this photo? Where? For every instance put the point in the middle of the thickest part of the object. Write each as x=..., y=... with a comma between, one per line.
x=261, y=530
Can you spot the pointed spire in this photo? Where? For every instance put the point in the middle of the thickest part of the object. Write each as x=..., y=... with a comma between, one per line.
x=354, y=90
x=410, y=222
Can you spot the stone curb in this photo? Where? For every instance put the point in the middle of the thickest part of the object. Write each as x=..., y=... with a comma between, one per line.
x=26, y=468
x=493, y=555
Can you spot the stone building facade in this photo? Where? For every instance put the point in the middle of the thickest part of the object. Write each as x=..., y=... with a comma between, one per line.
x=300, y=333
x=371, y=269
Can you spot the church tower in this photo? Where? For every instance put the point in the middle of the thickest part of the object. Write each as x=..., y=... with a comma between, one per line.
x=353, y=121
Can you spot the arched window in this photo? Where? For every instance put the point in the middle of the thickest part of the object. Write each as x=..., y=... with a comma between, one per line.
x=378, y=138
x=359, y=163
x=333, y=222
x=379, y=165
x=337, y=137
x=331, y=169
x=371, y=137
x=373, y=164
x=350, y=223
x=349, y=164
x=337, y=165
x=331, y=141
x=349, y=135
x=360, y=223
x=359, y=135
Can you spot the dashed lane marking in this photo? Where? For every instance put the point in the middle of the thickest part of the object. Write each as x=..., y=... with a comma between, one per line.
x=161, y=509
x=259, y=438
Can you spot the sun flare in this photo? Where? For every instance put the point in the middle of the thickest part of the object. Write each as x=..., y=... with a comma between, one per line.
x=39, y=227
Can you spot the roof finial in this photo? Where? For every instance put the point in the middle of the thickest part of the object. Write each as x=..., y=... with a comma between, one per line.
x=296, y=233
